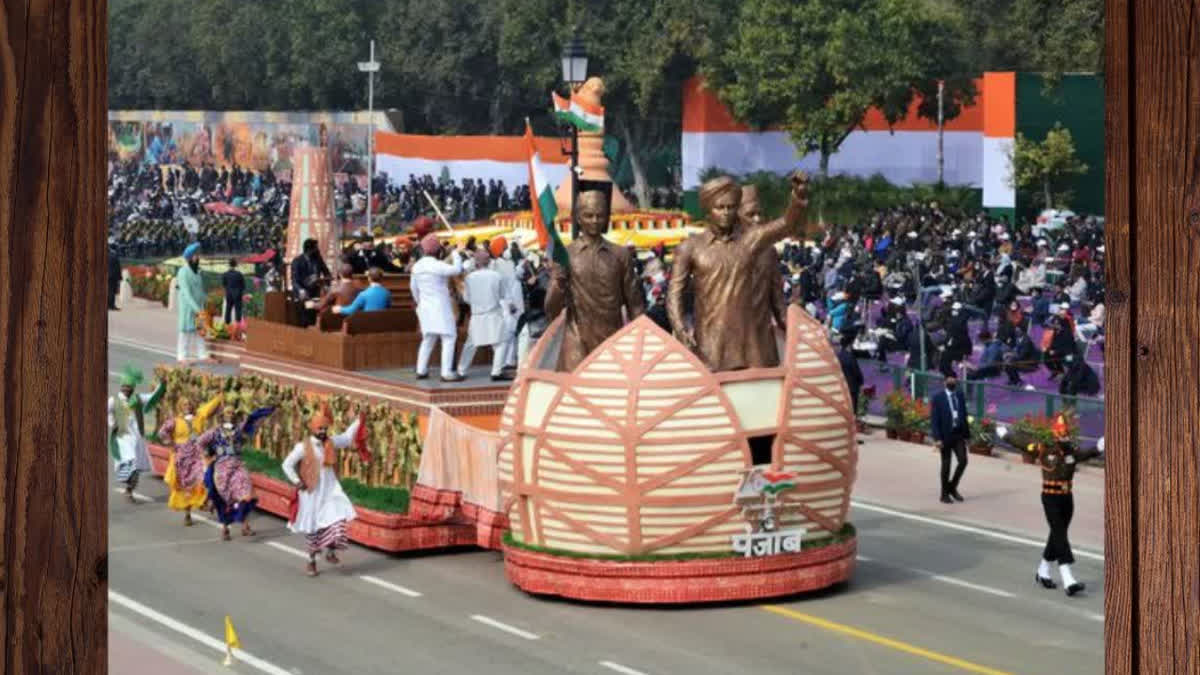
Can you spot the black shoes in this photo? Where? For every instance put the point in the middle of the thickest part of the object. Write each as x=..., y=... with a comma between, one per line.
x=503, y=377
x=422, y=377
x=946, y=499
x=957, y=497
x=453, y=378
x=1074, y=588
x=1046, y=582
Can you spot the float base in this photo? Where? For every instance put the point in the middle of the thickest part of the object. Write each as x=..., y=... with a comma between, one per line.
x=679, y=582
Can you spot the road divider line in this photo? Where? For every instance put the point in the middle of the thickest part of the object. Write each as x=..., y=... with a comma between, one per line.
x=867, y=636
x=194, y=633
x=390, y=586
x=503, y=626
x=965, y=528
x=945, y=579
x=134, y=344
x=288, y=549
x=620, y=668
x=966, y=584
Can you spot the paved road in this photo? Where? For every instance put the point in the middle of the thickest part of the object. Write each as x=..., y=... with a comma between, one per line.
x=926, y=598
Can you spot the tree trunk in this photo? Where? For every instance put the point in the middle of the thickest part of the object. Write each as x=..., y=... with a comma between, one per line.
x=640, y=188
x=1046, y=192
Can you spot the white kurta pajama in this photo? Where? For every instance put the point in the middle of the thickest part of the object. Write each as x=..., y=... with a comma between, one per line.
x=324, y=509
x=128, y=448
x=485, y=292
x=514, y=292
x=430, y=285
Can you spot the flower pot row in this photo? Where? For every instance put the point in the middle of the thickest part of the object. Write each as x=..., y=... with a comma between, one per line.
x=908, y=435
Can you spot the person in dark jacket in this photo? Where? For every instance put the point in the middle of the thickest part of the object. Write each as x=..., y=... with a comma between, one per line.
x=850, y=370
x=1079, y=378
x=309, y=273
x=1041, y=307
x=658, y=309
x=1022, y=357
x=948, y=424
x=235, y=287
x=992, y=360
x=114, y=274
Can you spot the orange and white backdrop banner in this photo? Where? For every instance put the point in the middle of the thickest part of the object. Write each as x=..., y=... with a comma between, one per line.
x=477, y=157
x=904, y=154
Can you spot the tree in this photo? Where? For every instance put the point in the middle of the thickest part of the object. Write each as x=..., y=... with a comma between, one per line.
x=1047, y=36
x=815, y=67
x=1045, y=165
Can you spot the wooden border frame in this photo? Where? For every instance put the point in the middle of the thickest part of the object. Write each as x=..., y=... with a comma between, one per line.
x=53, y=344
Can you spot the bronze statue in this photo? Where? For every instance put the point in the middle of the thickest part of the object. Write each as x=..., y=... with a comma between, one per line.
x=720, y=267
x=768, y=284
x=600, y=291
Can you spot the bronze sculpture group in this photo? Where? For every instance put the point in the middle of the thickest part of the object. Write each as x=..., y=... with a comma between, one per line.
x=729, y=271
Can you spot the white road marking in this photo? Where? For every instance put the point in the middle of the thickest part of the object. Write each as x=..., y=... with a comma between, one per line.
x=966, y=584
x=390, y=586
x=195, y=634
x=288, y=549
x=136, y=495
x=504, y=627
x=620, y=668
x=966, y=528
x=124, y=342
x=945, y=579
x=1096, y=617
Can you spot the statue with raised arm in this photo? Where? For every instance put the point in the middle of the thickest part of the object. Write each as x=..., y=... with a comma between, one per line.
x=719, y=267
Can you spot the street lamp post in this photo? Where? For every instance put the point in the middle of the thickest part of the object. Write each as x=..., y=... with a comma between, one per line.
x=574, y=70
x=370, y=67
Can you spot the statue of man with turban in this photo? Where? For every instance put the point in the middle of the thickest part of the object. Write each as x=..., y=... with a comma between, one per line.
x=600, y=291
x=719, y=266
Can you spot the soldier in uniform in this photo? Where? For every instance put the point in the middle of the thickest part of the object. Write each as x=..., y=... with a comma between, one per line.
x=1058, y=462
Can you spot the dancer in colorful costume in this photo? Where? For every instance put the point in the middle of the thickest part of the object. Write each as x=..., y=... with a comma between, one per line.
x=322, y=509
x=126, y=424
x=186, y=463
x=227, y=479
x=1058, y=461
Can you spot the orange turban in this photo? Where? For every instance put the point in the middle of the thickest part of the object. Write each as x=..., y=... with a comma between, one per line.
x=497, y=246
x=318, y=422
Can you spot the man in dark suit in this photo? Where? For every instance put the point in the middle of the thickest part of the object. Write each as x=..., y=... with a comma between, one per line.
x=948, y=423
x=850, y=370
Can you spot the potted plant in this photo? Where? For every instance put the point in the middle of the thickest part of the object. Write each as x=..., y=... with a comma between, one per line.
x=983, y=434
x=1032, y=432
x=894, y=405
x=916, y=421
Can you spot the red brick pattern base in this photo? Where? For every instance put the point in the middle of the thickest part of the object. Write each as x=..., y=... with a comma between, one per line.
x=389, y=532
x=687, y=581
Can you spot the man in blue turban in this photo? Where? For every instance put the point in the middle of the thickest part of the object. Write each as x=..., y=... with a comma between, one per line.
x=190, y=301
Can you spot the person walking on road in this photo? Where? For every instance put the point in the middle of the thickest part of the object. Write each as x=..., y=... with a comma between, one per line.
x=948, y=423
x=321, y=510
x=126, y=426
x=1059, y=461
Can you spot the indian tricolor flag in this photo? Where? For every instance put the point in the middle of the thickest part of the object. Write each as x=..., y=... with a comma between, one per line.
x=775, y=482
x=544, y=209
x=585, y=116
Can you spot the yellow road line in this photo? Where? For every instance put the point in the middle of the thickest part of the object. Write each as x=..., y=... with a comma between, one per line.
x=880, y=640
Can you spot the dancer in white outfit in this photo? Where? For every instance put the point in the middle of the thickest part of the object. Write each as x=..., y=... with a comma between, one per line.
x=322, y=509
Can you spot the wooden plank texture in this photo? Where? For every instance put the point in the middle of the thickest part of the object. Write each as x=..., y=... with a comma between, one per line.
x=1153, y=354
x=1120, y=611
x=53, y=476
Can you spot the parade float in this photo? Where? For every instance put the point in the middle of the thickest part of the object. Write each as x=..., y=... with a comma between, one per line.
x=632, y=479
x=637, y=475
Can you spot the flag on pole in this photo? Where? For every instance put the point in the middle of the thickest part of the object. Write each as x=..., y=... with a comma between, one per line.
x=544, y=210
x=231, y=638
x=585, y=116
